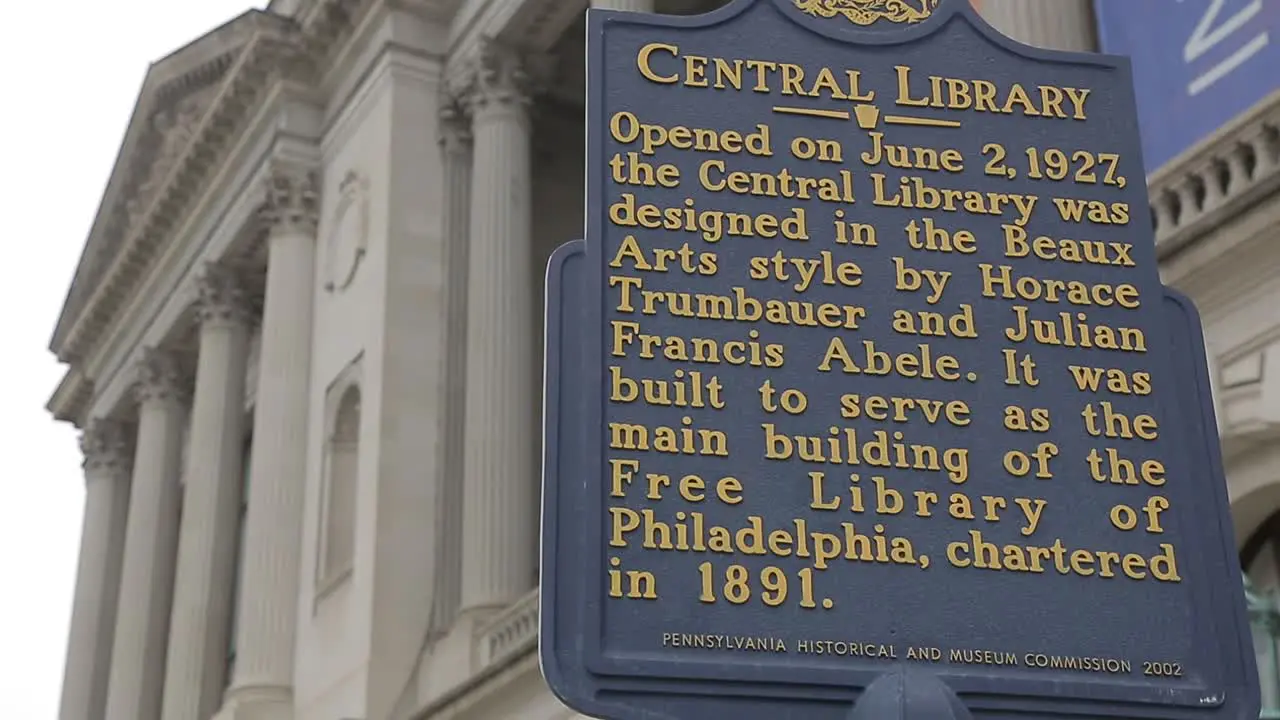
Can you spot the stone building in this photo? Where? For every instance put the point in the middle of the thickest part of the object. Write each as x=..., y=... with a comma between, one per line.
x=303, y=343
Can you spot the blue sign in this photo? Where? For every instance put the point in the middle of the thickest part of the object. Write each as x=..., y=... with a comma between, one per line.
x=863, y=397
x=1197, y=64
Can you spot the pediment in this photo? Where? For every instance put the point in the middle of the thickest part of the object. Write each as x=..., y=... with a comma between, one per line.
x=289, y=8
x=176, y=93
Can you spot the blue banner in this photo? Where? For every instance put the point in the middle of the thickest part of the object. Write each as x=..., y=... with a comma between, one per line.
x=1196, y=64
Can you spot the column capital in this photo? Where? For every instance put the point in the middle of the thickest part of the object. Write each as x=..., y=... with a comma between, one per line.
x=107, y=445
x=455, y=124
x=221, y=295
x=292, y=198
x=160, y=377
x=499, y=76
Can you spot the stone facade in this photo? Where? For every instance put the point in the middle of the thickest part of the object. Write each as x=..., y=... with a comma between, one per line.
x=302, y=344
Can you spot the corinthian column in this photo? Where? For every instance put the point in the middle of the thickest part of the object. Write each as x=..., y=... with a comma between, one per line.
x=107, y=446
x=631, y=5
x=195, y=672
x=1054, y=24
x=151, y=542
x=455, y=145
x=262, y=687
x=499, y=506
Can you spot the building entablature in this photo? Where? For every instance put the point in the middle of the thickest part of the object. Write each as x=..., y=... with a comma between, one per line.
x=71, y=398
x=1193, y=195
x=536, y=25
x=531, y=26
x=232, y=228
x=166, y=210
x=182, y=163
x=149, y=231
x=1217, y=213
x=177, y=95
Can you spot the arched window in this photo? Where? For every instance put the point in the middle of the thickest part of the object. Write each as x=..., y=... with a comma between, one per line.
x=342, y=452
x=1260, y=555
x=1260, y=561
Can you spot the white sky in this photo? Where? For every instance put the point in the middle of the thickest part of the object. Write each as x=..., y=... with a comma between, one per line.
x=69, y=74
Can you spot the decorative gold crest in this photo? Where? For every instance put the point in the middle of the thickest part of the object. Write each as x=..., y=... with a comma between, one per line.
x=867, y=12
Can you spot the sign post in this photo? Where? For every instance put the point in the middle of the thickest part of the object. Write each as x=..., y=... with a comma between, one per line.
x=863, y=397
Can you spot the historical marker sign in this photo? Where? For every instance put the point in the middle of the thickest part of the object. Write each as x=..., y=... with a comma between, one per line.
x=863, y=390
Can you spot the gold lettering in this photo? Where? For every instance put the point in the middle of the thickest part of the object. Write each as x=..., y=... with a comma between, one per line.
x=977, y=553
x=984, y=96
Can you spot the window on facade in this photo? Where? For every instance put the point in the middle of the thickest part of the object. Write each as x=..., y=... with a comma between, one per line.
x=341, y=465
x=1260, y=556
x=1260, y=561
x=234, y=608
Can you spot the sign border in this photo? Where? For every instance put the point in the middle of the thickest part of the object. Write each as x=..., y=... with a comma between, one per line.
x=574, y=350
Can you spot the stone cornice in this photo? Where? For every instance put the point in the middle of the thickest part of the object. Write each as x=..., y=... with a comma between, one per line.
x=282, y=52
x=530, y=24
x=289, y=7
x=226, y=227
x=71, y=398
x=433, y=10
x=270, y=47
x=1218, y=179
x=198, y=67
x=1222, y=267
x=280, y=49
